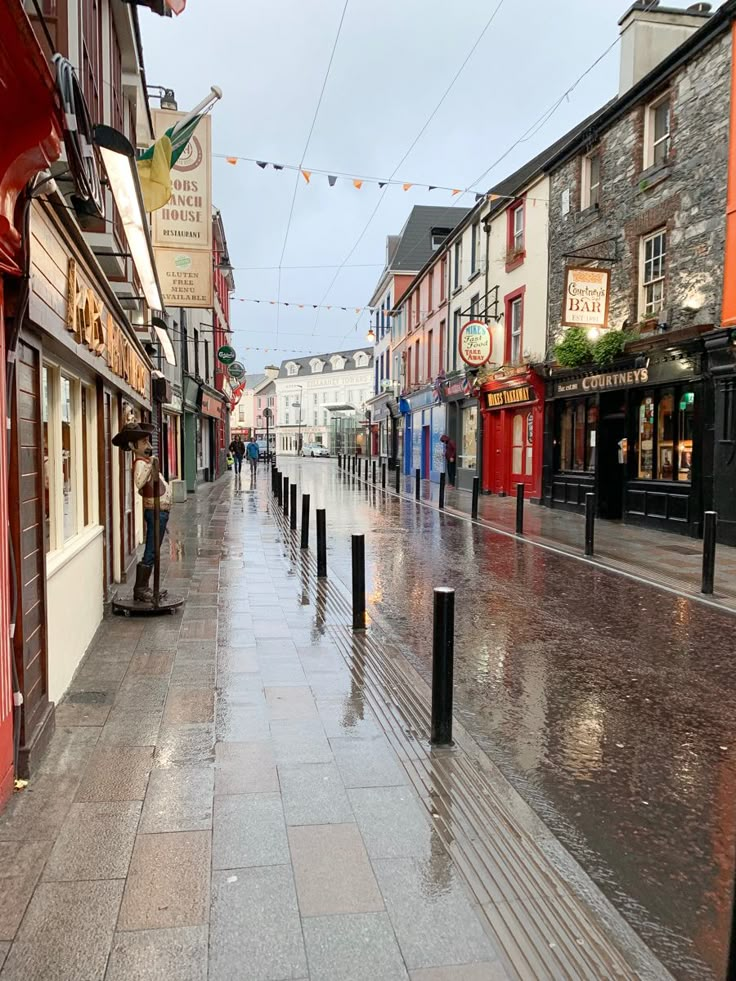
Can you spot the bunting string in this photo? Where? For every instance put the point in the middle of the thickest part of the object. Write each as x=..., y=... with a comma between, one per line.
x=358, y=181
x=306, y=306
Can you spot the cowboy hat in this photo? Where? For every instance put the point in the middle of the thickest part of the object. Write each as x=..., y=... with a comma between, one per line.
x=132, y=432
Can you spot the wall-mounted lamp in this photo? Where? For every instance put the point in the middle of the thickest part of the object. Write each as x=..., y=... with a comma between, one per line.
x=118, y=157
x=159, y=327
x=371, y=336
x=168, y=100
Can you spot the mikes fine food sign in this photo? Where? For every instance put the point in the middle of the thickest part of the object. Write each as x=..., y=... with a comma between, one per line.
x=475, y=344
x=586, y=297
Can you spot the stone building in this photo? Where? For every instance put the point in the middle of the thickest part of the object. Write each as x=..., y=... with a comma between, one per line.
x=640, y=196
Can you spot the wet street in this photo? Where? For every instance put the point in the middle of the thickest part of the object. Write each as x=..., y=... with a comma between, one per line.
x=608, y=704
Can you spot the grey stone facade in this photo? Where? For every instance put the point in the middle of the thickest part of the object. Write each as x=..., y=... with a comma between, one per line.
x=687, y=196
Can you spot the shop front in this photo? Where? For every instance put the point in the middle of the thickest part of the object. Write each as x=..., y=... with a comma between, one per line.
x=191, y=432
x=513, y=434
x=212, y=437
x=75, y=518
x=462, y=425
x=633, y=436
x=424, y=425
x=172, y=433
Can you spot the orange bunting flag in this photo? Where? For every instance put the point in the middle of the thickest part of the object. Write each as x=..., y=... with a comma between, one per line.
x=301, y=306
x=493, y=197
x=272, y=302
x=357, y=185
x=357, y=309
x=231, y=160
x=407, y=186
x=307, y=174
x=456, y=191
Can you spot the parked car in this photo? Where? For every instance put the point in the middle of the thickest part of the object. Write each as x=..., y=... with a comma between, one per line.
x=262, y=449
x=314, y=449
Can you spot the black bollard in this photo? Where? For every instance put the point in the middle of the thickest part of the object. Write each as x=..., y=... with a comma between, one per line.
x=519, y=509
x=305, y=521
x=339, y=462
x=476, y=494
x=383, y=476
x=321, y=544
x=442, y=491
x=285, y=498
x=278, y=486
x=374, y=471
x=358, y=556
x=354, y=459
x=589, y=524
x=292, y=508
x=710, y=526
x=418, y=484
x=443, y=644
x=398, y=479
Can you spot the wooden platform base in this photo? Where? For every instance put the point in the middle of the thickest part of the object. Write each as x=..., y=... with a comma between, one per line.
x=126, y=606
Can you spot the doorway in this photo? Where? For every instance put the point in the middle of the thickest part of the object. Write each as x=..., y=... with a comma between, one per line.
x=522, y=453
x=426, y=442
x=611, y=454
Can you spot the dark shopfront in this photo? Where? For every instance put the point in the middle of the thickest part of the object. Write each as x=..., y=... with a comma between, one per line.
x=634, y=436
x=463, y=426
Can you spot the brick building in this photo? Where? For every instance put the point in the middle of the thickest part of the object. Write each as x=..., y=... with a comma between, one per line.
x=641, y=193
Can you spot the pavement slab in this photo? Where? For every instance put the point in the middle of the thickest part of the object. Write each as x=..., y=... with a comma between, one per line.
x=95, y=842
x=359, y=947
x=173, y=954
x=249, y=830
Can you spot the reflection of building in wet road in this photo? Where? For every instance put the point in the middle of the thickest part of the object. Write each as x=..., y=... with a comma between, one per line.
x=609, y=704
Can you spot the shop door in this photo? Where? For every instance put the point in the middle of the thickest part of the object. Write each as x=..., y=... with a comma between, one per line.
x=107, y=486
x=426, y=444
x=498, y=453
x=522, y=454
x=611, y=466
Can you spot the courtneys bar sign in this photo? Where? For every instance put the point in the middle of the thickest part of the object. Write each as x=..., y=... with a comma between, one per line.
x=602, y=383
x=586, y=297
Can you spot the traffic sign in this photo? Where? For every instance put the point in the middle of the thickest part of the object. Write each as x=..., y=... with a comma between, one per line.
x=226, y=354
x=236, y=370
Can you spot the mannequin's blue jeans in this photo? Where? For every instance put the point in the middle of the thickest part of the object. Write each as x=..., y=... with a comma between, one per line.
x=148, y=516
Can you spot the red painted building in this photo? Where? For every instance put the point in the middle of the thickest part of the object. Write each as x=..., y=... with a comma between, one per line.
x=31, y=131
x=512, y=405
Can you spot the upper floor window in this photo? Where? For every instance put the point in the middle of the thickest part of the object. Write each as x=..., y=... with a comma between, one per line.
x=361, y=359
x=657, y=132
x=91, y=57
x=475, y=249
x=443, y=278
x=338, y=362
x=651, y=277
x=316, y=365
x=591, y=192
x=292, y=368
x=430, y=291
x=514, y=327
x=516, y=228
x=458, y=264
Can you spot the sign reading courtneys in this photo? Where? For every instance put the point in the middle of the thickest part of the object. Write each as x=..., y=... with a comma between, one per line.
x=585, y=303
x=602, y=383
x=510, y=396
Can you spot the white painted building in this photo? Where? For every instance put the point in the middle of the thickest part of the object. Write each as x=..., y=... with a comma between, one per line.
x=321, y=394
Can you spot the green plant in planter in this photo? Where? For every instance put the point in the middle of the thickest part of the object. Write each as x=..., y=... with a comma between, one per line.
x=611, y=346
x=574, y=349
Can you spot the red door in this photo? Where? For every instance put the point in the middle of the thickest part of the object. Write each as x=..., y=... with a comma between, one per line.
x=498, y=454
x=522, y=449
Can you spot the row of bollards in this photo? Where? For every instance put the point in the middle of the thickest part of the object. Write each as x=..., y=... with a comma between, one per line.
x=285, y=495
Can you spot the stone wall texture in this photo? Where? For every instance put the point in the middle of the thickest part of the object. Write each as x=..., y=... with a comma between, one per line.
x=687, y=196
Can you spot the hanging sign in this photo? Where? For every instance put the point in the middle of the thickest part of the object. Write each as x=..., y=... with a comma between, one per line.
x=586, y=297
x=236, y=370
x=475, y=344
x=226, y=354
x=185, y=276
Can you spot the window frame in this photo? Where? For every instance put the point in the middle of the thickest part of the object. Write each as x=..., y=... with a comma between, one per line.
x=515, y=238
x=510, y=302
x=91, y=58
x=474, y=250
x=644, y=314
x=589, y=199
x=457, y=265
x=651, y=142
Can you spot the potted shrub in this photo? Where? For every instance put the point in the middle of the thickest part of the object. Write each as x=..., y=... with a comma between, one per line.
x=611, y=346
x=574, y=349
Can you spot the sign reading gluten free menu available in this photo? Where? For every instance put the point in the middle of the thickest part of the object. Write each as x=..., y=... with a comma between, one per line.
x=182, y=229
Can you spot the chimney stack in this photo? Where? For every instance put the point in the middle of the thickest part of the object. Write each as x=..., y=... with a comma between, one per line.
x=650, y=32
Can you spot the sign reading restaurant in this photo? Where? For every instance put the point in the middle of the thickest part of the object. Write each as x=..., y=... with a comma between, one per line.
x=587, y=293
x=474, y=344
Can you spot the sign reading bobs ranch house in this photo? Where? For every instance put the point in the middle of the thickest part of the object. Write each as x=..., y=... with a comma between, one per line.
x=586, y=298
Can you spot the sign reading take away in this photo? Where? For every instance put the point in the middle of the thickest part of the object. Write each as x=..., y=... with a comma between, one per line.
x=586, y=297
x=475, y=343
x=182, y=230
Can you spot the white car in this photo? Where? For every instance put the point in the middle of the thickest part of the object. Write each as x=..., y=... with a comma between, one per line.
x=314, y=449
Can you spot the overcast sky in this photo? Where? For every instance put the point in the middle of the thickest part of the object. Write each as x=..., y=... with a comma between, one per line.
x=394, y=60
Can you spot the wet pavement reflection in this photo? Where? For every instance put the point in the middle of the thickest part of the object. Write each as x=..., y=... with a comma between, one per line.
x=609, y=705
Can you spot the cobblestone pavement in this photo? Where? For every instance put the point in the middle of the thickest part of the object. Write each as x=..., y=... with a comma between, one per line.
x=245, y=791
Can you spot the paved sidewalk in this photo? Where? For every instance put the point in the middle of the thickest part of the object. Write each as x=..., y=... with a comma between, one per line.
x=661, y=557
x=245, y=791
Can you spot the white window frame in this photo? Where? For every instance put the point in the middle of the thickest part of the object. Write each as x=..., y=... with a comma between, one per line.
x=650, y=142
x=591, y=193
x=475, y=248
x=647, y=278
x=516, y=329
x=292, y=369
x=517, y=241
x=457, y=264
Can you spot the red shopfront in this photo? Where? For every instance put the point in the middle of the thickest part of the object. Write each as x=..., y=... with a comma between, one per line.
x=214, y=415
x=513, y=434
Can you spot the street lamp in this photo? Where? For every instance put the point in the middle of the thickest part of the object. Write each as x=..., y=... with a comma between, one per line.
x=371, y=335
x=298, y=405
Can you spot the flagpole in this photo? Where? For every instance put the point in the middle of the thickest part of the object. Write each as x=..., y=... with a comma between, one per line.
x=214, y=95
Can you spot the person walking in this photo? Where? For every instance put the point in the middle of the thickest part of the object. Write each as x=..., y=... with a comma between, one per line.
x=237, y=448
x=253, y=452
x=450, y=458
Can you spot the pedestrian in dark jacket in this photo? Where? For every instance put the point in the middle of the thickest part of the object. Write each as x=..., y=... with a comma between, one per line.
x=237, y=448
x=450, y=458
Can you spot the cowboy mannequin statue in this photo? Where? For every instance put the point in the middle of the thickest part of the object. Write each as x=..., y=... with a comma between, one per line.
x=136, y=438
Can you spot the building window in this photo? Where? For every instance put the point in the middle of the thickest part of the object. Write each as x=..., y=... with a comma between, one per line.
x=474, y=305
x=514, y=327
x=457, y=278
x=576, y=436
x=430, y=373
x=456, y=327
x=475, y=248
x=91, y=57
x=515, y=233
x=591, y=180
x=657, y=133
x=443, y=278
x=653, y=255
x=70, y=461
x=663, y=448
x=430, y=291
x=416, y=363
x=116, y=86
x=468, y=437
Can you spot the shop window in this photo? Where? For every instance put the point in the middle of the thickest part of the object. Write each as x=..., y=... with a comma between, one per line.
x=529, y=443
x=468, y=437
x=653, y=255
x=47, y=382
x=517, y=453
x=576, y=435
x=522, y=454
x=664, y=437
x=68, y=460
